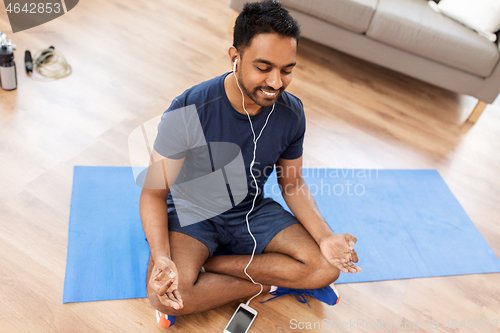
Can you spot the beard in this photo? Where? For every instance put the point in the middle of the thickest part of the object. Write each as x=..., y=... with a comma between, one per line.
x=255, y=96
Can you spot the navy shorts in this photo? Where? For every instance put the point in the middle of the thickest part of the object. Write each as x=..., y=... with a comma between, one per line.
x=229, y=231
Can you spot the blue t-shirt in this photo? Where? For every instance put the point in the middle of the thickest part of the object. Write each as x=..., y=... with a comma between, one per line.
x=220, y=123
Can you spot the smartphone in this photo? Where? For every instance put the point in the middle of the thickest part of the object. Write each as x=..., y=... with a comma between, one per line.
x=241, y=320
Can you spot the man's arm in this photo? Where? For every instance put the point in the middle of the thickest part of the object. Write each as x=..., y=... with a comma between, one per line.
x=338, y=249
x=154, y=217
x=153, y=205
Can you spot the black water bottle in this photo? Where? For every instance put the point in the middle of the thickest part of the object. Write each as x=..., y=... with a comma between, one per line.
x=8, y=73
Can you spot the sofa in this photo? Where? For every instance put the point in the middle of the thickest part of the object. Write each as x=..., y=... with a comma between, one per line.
x=406, y=36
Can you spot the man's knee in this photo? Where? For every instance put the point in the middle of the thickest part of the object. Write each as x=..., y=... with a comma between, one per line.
x=188, y=296
x=319, y=273
x=189, y=305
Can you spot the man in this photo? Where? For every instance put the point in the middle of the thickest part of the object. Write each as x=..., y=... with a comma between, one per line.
x=294, y=254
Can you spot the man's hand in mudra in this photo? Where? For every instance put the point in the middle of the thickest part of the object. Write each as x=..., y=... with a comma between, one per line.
x=338, y=249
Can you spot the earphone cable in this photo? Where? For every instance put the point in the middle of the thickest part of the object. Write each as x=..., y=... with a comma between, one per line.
x=255, y=182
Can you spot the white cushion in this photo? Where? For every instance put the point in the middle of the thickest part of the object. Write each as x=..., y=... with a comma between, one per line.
x=412, y=26
x=353, y=15
x=482, y=16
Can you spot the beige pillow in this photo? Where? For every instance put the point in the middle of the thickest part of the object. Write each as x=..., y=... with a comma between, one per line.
x=482, y=16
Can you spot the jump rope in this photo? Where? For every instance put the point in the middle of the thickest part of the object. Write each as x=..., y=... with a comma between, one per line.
x=255, y=139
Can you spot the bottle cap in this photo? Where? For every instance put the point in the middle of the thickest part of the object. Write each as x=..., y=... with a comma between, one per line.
x=6, y=54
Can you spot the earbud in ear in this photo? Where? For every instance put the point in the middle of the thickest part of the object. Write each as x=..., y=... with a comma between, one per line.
x=234, y=65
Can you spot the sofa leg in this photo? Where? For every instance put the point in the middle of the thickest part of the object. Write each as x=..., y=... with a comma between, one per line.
x=232, y=20
x=478, y=109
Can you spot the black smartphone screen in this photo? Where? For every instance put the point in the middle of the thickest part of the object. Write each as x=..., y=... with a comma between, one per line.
x=240, y=321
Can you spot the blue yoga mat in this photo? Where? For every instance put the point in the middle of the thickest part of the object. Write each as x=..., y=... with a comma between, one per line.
x=107, y=250
x=408, y=225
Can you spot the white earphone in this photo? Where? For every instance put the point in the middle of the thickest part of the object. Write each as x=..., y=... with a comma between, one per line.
x=255, y=139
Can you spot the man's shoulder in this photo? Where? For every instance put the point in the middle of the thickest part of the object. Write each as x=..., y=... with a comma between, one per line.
x=291, y=103
x=202, y=93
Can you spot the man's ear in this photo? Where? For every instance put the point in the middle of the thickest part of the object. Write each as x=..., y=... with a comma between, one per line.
x=233, y=54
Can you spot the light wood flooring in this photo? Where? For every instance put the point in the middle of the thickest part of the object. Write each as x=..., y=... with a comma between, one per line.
x=130, y=59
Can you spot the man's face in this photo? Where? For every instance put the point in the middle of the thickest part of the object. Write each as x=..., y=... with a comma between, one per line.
x=266, y=67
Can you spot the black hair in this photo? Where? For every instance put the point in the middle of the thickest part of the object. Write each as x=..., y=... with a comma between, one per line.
x=263, y=17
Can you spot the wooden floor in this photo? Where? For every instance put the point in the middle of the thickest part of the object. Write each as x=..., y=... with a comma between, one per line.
x=130, y=59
